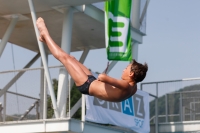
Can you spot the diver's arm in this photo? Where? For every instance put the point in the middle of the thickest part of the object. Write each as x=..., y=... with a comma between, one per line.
x=121, y=84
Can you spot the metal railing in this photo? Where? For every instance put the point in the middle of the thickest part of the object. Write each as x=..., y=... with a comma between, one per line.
x=16, y=116
x=174, y=100
x=22, y=101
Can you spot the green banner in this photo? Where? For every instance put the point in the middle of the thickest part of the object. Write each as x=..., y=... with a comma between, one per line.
x=117, y=29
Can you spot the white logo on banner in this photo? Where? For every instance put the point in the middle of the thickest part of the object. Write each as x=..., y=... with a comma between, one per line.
x=138, y=112
x=121, y=30
x=127, y=105
x=139, y=106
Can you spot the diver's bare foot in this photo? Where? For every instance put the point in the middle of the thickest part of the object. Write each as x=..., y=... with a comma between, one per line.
x=42, y=28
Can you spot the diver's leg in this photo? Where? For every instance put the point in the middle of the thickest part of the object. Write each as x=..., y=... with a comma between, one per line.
x=73, y=68
x=84, y=68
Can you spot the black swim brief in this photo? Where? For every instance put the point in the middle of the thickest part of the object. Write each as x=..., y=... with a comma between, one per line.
x=84, y=89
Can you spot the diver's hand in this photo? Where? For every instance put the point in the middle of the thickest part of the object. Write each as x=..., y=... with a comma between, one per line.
x=101, y=77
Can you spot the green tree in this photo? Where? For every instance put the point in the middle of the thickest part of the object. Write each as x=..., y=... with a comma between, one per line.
x=50, y=110
x=75, y=96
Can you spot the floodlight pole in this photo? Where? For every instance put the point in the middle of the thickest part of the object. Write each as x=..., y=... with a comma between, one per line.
x=8, y=33
x=144, y=11
x=135, y=23
x=41, y=47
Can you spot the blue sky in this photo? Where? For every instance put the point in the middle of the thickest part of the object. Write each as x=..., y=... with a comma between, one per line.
x=171, y=46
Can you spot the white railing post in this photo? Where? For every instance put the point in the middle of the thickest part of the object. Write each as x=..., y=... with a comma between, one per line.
x=166, y=108
x=63, y=74
x=41, y=48
x=156, y=108
x=180, y=107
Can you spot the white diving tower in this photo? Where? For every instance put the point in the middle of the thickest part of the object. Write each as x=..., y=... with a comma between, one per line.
x=76, y=25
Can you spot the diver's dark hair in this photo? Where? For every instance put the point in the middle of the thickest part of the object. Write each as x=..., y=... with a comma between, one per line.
x=139, y=70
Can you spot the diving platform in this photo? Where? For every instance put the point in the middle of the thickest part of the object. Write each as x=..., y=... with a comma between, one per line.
x=177, y=127
x=58, y=126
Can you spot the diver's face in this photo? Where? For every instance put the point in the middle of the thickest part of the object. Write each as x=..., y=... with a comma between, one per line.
x=126, y=72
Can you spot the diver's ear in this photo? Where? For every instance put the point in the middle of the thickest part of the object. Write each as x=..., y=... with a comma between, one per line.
x=131, y=74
